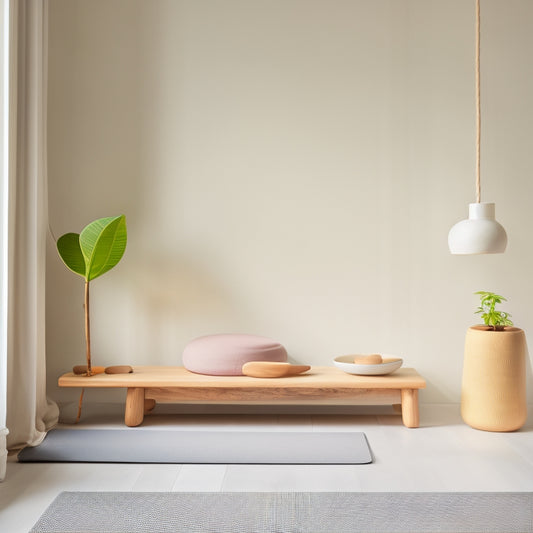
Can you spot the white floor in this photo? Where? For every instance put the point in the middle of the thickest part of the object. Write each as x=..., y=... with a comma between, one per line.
x=442, y=455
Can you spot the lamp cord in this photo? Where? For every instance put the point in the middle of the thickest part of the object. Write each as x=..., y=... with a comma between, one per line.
x=478, y=109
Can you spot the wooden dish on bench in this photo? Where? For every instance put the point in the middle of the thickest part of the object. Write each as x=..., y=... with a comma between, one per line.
x=268, y=369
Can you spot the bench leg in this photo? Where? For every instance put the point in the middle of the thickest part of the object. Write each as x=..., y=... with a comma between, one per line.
x=149, y=404
x=410, y=414
x=134, y=406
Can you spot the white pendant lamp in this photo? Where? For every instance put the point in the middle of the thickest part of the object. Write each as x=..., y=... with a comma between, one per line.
x=480, y=233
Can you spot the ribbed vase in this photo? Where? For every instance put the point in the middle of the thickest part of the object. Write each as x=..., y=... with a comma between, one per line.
x=493, y=396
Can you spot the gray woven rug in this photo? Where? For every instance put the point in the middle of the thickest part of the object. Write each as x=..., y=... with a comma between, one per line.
x=136, y=445
x=312, y=512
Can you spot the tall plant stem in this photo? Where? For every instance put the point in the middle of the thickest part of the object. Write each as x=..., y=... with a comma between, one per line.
x=87, y=330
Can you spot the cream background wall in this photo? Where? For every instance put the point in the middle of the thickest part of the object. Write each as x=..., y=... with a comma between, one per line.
x=288, y=168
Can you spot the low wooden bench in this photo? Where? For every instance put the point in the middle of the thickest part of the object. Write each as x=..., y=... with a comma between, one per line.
x=320, y=385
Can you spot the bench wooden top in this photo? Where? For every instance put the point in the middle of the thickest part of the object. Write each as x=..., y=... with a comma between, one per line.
x=177, y=376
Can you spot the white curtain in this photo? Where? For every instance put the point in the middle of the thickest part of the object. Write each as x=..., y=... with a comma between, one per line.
x=4, y=25
x=29, y=413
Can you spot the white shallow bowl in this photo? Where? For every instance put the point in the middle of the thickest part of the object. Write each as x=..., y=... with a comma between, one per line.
x=346, y=364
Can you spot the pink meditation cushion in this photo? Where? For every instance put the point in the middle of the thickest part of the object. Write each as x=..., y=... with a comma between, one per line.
x=224, y=355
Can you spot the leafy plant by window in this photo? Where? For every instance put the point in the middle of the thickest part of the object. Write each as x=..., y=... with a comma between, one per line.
x=497, y=320
x=93, y=252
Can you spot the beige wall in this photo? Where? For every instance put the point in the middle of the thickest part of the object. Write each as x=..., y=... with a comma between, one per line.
x=288, y=168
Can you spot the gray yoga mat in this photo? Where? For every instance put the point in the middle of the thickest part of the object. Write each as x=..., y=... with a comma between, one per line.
x=132, y=445
x=312, y=512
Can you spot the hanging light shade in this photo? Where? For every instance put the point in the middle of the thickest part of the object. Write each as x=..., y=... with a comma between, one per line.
x=480, y=233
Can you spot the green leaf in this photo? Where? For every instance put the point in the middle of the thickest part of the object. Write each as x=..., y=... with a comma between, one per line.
x=68, y=246
x=103, y=243
x=491, y=317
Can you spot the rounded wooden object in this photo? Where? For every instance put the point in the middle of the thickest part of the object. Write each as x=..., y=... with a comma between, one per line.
x=82, y=369
x=149, y=404
x=134, y=406
x=119, y=369
x=410, y=413
x=493, y=395
x=266, y=369
x=373, y=359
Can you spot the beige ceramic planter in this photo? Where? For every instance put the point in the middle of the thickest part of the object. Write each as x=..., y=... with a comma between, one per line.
x=493, y=396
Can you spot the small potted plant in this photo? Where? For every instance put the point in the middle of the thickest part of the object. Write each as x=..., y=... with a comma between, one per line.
x=494, y=320
x=493, y=395
x=93, y=252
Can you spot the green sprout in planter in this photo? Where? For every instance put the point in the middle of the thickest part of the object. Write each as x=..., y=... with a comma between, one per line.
x=93, y=252
x=497, y=320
